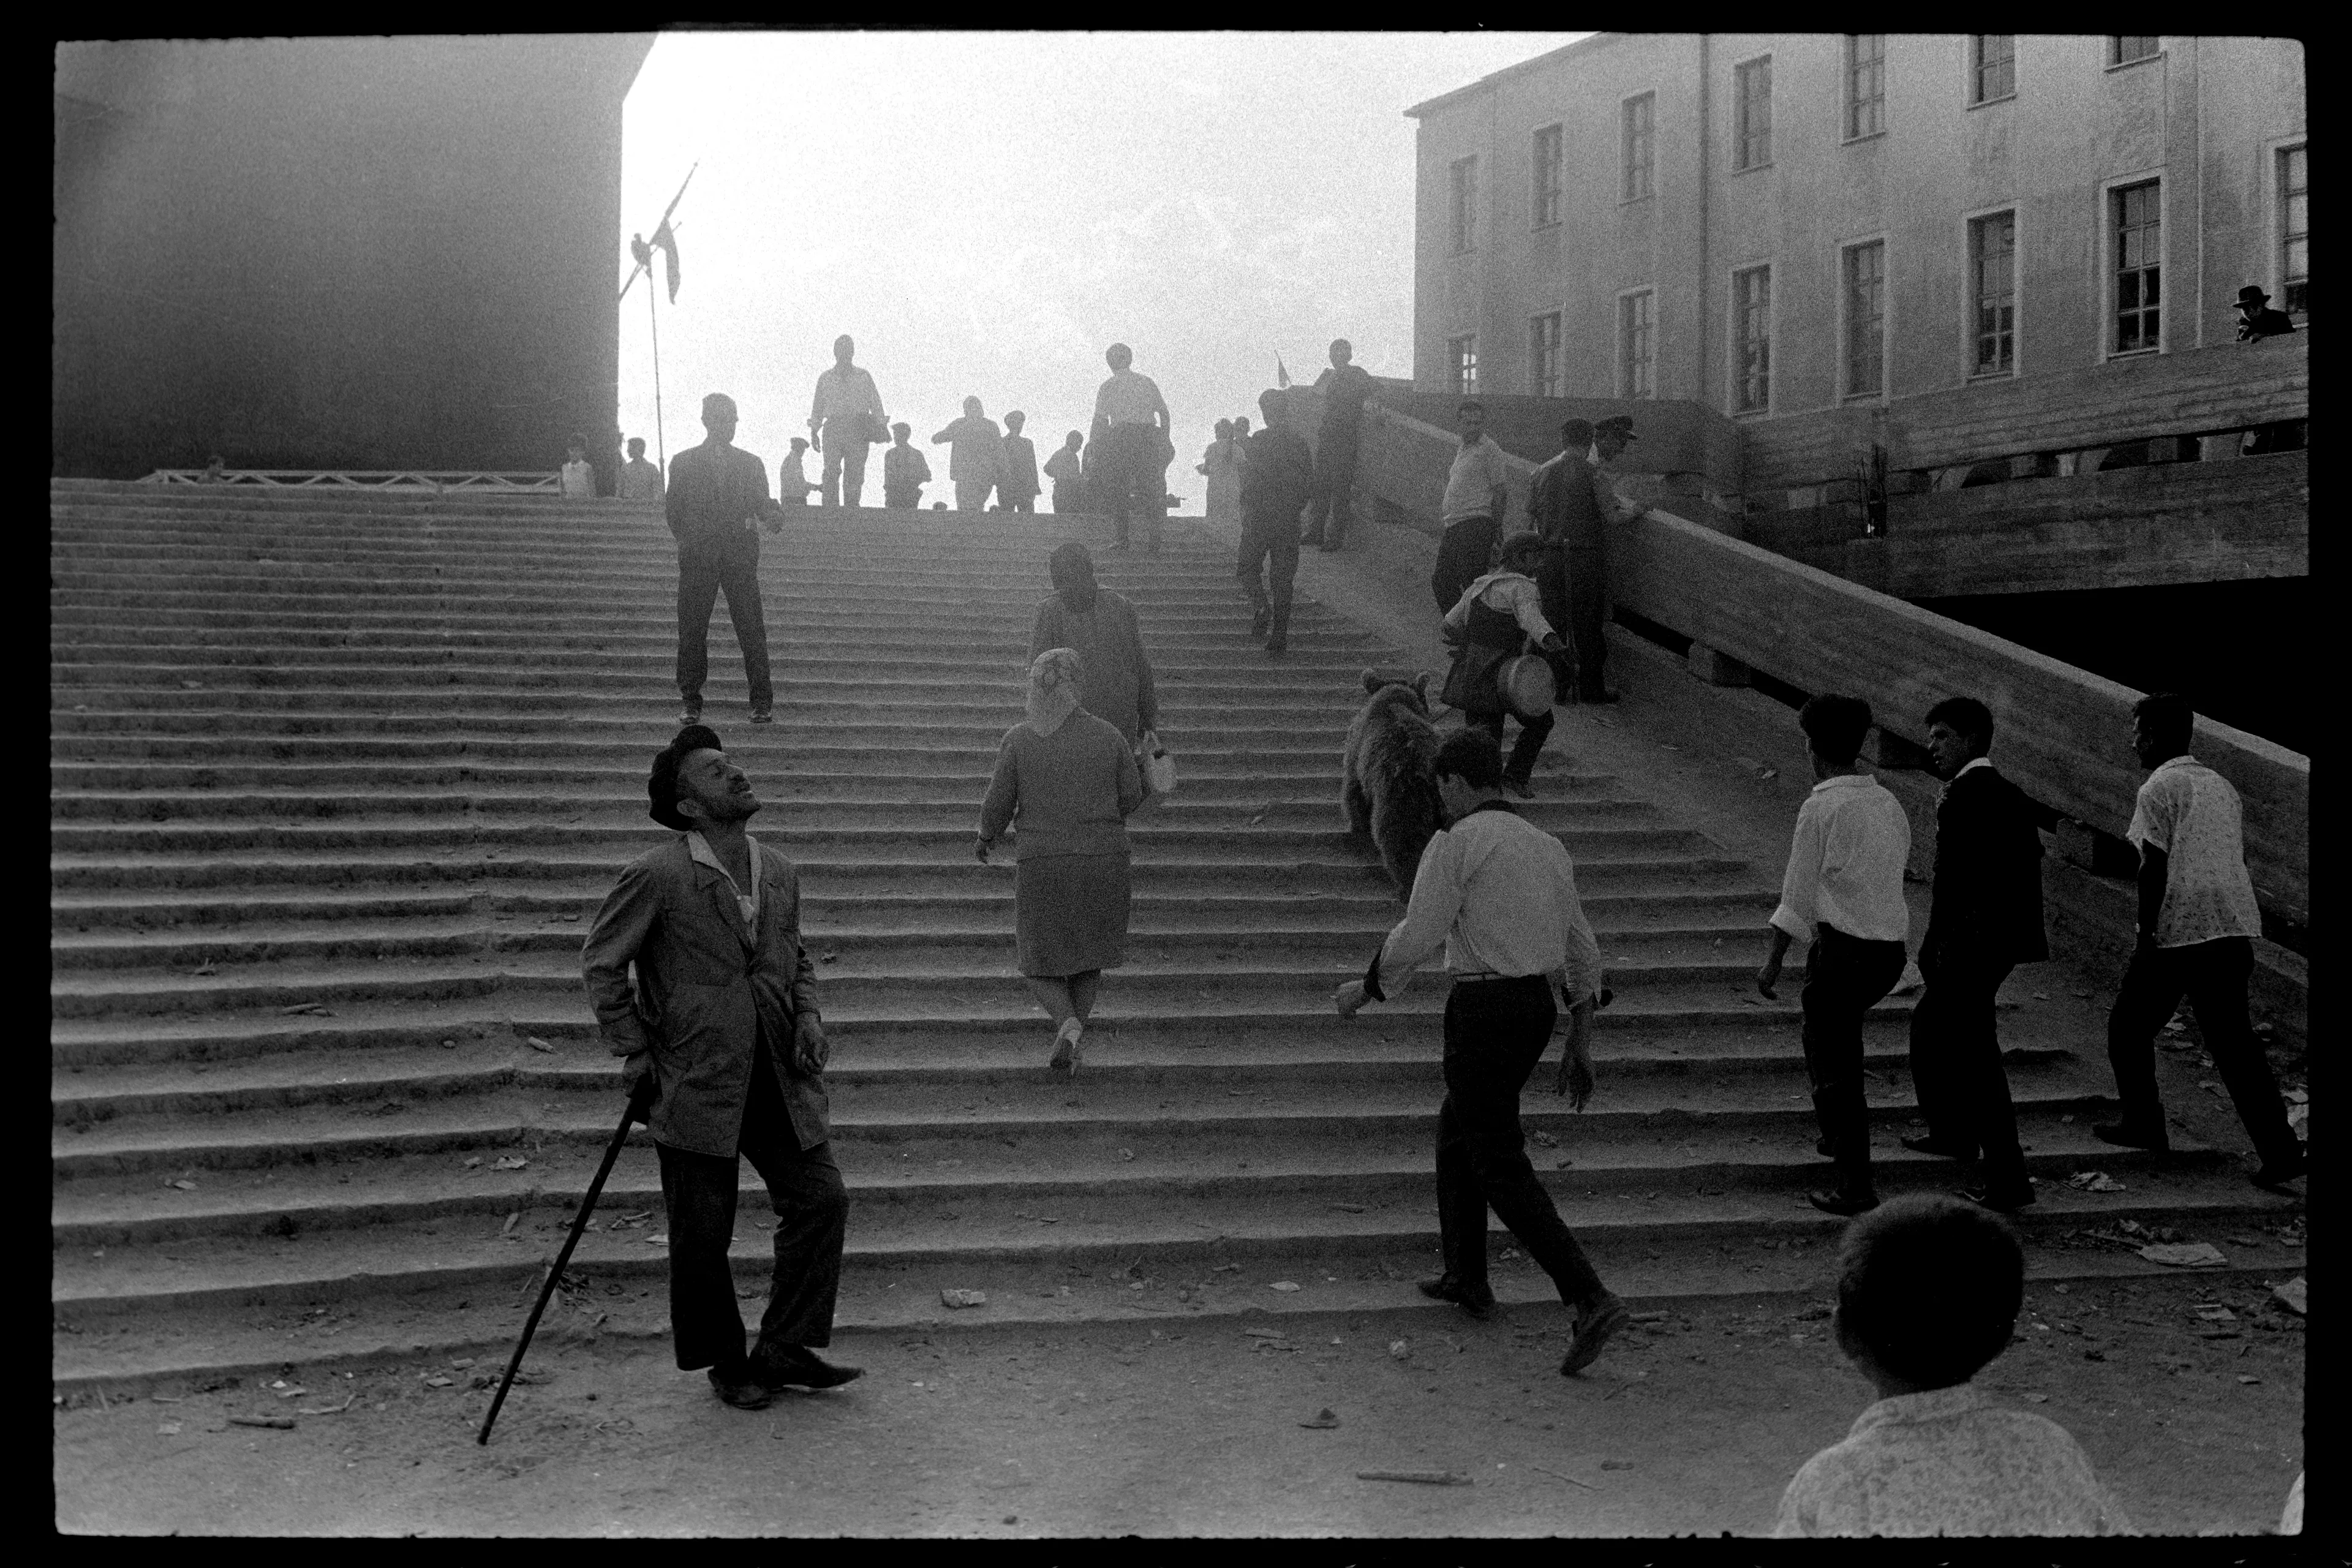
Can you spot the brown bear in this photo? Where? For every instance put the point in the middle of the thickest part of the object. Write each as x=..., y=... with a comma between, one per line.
x=1387, y=779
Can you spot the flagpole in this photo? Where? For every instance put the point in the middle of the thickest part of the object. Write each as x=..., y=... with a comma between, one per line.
x=653, y=319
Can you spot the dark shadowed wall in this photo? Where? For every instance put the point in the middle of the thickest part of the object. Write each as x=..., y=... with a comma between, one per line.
x=336, y=253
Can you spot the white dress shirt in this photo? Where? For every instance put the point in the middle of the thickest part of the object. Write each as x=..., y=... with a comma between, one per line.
x=1500, y=894
x=2193, y=816
x=1846, y=865
x=1471, y=483
x=698, y=849
x=579, y=479
x=1129, y=398
x=841, y=394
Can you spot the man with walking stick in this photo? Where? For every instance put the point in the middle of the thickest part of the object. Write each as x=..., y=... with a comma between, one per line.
x=723, y=1017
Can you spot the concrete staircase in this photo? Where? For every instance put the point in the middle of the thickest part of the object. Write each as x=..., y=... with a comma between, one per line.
x=336, y=781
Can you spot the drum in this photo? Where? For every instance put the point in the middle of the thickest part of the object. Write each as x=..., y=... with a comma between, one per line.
x=1525, y=681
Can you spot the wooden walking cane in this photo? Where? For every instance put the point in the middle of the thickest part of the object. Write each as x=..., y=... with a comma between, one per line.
x=639, y=1102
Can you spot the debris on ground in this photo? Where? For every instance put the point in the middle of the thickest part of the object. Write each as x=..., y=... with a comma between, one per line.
x=1283, y=1285
x=276, y=1422
x=1325, y=1419
x=1401, y=1350
x=2095, y=1182
x=2185, y=1255
x=1425, y=1478
x=534, y=1042
x=2293, y=1296
x=963, y=1298
x=511, y=1163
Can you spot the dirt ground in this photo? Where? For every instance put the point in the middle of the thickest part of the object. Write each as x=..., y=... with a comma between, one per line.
x=1691, y=1424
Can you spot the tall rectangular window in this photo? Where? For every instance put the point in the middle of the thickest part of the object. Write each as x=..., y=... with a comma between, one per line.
x=1637, y=354
x=2294, y=230
x=1992, y=66
x=1543, y=355
x=2137, y=216
x=1466, y=204
x=1992, y=293
x=1639, y=116
x=1865, y=84
x=1461, y=354
x=1545, y=204
x=2124, y=50
x=1866, y=319
x=1751, y=299
x=1751, y=125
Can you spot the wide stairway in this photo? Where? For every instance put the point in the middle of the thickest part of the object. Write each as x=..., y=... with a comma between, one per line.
x=339, y=779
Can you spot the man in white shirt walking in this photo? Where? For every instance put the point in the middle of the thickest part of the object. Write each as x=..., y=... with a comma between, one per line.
x=2198, y=918
x=1500, y=895
x=844, y=419
x=1842, y=892
x=1131, y=425
x=1478, y=488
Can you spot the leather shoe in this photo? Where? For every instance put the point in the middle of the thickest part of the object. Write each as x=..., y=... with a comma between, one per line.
x=2126, y=1136
x=741, y=1389
x=1928, y=1145
x=1596, y=1323
x=691, y=711
x=1840, y=1203
x=762, y=716
x=1480, y=1305
x=800, y=1368
x=2278, y=1175
x=2000, y=1203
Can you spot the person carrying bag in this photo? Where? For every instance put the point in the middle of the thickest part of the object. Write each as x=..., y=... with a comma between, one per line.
x=1497, y=629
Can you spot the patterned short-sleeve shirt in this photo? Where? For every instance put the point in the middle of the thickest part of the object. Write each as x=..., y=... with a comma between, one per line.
x=2192, y=815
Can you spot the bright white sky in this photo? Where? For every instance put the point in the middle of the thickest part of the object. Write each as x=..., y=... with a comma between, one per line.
x=986, y=212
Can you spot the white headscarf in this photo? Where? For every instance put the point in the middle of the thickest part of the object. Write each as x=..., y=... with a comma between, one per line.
x=1053, y=689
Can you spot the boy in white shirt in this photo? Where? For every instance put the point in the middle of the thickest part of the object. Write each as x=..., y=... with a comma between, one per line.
x=578, y=476
x=1843, y=892
x=1928, y=1289
x=792, y=483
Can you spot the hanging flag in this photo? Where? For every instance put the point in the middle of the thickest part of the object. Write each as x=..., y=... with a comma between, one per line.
x=665, y=241
x=1281, y=373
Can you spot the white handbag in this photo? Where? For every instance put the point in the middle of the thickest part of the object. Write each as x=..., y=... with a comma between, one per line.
x=1159, y=766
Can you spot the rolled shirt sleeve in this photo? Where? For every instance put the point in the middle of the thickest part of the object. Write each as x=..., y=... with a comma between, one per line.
x=1800, y=884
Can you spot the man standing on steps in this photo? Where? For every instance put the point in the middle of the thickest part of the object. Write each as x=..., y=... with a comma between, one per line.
x=1499, y=893
x=844, y=419
x=723, y=1016
x=2197, y=919
x=1277, y=481
x=1126, y=470
x=1478, y=488
x=718, y=500
x=1986, y=919
x=1344, y=387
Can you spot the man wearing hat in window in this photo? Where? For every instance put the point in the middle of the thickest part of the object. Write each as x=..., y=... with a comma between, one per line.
x=723, y=1016
x=2256, y=320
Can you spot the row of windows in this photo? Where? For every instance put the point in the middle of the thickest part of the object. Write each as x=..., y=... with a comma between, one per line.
x=1992, y=76
x=2135, y=218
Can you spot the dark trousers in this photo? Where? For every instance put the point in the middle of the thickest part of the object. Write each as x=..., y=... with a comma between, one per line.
x=1068, y=499
x=1844, y=977
x=1335, y=480
x=1125, y=478
x=843, y=474
x=1461, y=556
x=1016, y=502
x=729, y=564
x=812, y=1216
x=2212, y=975
x=1533, y=733
x=1495, y=1031
x=1576, y=602
x=902, y=497
x=1956, y=1066
x=1269, y=561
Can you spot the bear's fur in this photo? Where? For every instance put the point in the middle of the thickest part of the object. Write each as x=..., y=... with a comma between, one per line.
x=1387, y=779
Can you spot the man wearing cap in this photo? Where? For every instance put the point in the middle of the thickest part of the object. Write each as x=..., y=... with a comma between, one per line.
x=2256, y=320
x=718, y=500
x=723, y=1016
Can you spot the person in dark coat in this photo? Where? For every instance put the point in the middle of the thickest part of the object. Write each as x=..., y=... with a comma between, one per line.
x=1344, y=386
x=1985, y=919
x=1277, y=481
x=2256, y=320
x=717, y=502
x=723, y=1016
x=1116, y=681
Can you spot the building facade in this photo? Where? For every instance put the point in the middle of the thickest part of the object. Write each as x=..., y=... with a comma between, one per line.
x=1776, y=224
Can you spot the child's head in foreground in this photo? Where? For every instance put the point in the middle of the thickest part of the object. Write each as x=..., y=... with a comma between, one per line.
x=1929, y=1290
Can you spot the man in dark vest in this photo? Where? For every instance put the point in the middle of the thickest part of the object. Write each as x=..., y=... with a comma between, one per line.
x=718, y=500
x=1985, y=919
x=1344, y=387
x=723, y=1015
x=1567, y=507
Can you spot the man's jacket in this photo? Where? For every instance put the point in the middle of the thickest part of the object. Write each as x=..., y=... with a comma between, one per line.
x=1987, y=903
x=1277, y=475
x=1564, y=503
x=705, y=984
x=715, y=494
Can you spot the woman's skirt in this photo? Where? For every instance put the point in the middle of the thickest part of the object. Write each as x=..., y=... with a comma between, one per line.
x=1069, y=913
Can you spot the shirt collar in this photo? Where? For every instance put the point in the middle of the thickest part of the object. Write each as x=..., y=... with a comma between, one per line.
x=2182, y=760
x=1934, y=1404
x=697, y=849
x=1837, y=781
